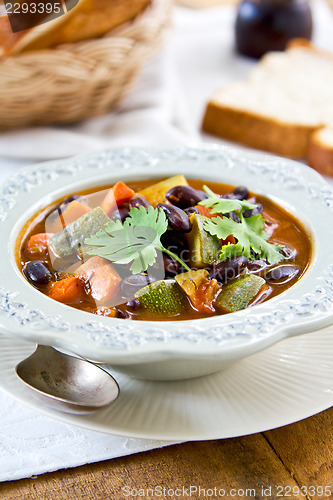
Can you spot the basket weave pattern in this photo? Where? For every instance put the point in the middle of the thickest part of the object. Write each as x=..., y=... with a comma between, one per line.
x=76, y=81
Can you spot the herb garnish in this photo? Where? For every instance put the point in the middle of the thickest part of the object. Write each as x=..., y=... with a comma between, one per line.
x=249, y=231
x=137, y=239
x=220, y=205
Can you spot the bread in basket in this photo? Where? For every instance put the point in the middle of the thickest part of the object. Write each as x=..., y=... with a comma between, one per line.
x=87, y=19
x=69, y=78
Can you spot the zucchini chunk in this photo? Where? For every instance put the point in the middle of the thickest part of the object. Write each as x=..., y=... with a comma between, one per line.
x=162, y=297
x=204, y=248
x=156, y=193
x=237, y=294
x=72, y=237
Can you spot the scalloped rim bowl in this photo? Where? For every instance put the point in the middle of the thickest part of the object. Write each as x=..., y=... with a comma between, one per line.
x=168, y=350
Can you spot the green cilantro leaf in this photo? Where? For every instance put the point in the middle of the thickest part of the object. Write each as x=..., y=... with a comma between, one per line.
x=224, y=205
x=250, y=235
x=134, y=241
x=124, y=245
x=154, y=218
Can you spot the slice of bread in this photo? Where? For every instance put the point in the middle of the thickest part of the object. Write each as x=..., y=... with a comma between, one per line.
x=88, y=19
x=320, y=154
x=287, y=97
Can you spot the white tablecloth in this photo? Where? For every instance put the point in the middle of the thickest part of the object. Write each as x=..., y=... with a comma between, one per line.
x=165, y=109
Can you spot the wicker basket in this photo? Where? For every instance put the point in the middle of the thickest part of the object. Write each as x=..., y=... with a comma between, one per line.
x=77, y=81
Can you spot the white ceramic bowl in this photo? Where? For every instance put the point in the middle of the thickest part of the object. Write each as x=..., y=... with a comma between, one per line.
x=168, y=350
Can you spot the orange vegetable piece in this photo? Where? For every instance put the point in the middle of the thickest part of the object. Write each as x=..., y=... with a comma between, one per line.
x=117, y=196
x=38, y=244
x=73, y=211
x=205, y=295
x=205, y=211
x=69, y=290
x=103, y=280
x=229, y=239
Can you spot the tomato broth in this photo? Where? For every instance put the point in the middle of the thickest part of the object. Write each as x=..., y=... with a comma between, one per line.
x=188, y=279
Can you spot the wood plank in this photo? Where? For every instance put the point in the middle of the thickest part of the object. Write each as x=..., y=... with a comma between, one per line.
x=235, y=465
x=306, y=449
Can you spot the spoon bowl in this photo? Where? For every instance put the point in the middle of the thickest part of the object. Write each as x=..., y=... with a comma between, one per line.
x=67, y=383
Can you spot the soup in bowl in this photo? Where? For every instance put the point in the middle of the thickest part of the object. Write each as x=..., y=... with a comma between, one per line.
x=161, y=263
x=171, y=249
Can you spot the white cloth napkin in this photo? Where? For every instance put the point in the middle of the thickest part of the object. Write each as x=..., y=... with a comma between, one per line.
x=165, y=109
x=32, y=444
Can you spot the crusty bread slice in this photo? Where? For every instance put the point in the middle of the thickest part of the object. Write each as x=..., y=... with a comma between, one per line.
x=88, y=19
x=320, y=154
x=288, y=96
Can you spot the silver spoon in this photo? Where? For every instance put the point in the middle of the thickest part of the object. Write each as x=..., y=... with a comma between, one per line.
x=67, y=383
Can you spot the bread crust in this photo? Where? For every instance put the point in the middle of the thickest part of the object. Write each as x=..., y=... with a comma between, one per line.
x=307, y=45
x=89, y=19
x=320, y=155
x=263, y=132
x=257, y=131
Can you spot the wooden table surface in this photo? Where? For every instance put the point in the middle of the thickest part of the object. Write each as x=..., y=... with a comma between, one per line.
x=292, y=462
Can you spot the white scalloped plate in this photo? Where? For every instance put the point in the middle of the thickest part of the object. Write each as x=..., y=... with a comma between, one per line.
x=288, y=382
x=181, y=349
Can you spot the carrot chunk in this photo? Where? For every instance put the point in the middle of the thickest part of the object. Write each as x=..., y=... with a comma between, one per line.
x=38, y=244
x=117, y=196
x=69, y=290
x=205, y=211
x=73, y=211
x=103, y=280
x=229, y=239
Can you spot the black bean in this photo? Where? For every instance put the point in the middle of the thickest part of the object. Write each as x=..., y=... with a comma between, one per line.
x=37, y=272
x=288, y=252
x=174, y=241
x=171, y=266
x=185, y=196
x=177, y=218
x=138, y=201
x=202, y=194
x=120, y=214
x=282, y=273
x=130, y=285
x=253, y=211
x=191, y=210
x=123, y=213
x=239, y=193
x=228, y=270
x=120, y=314
x=133, y=304
x=233, y=216
x=255, y=266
